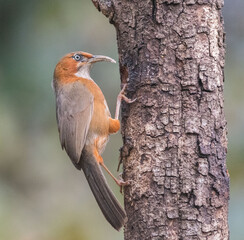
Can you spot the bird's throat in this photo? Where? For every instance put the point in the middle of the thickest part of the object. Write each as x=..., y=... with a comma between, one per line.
x=84, y=71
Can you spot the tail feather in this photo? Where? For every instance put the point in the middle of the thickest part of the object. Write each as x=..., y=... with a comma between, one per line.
x=106, y=200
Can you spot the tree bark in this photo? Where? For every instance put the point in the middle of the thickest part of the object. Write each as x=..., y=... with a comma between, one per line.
x=172, y=54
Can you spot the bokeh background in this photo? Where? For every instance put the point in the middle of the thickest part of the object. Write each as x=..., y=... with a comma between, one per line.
x=42, y=196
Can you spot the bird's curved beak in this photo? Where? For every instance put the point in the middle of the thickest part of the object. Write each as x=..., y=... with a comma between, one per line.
x=99, y=58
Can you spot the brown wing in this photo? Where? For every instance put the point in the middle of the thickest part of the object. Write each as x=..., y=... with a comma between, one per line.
x=74, y=108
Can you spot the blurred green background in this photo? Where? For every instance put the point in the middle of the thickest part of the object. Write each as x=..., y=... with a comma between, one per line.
x=42, y=196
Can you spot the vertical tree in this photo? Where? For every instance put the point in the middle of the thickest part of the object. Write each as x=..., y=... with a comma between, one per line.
x=172, y=53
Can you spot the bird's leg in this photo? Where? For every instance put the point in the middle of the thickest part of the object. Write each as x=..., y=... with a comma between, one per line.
x=99, y=159
x=119, y=98
x=120, y=183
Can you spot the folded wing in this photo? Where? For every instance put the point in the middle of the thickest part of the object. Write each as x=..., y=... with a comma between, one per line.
x=74, y=109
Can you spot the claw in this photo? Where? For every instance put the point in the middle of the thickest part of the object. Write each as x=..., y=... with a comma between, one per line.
x=128, y=100
x=122, y=96
x=122, y=183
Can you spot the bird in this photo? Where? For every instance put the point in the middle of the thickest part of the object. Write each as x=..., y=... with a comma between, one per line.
x=84, y=125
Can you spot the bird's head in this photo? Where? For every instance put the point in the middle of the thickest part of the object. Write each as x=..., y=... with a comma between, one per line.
x=77, y=64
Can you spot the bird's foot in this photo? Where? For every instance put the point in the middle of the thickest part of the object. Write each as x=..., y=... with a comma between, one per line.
x=121, y=183
x=122, y=96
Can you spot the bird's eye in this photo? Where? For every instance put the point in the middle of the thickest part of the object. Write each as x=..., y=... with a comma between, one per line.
x=77, y=57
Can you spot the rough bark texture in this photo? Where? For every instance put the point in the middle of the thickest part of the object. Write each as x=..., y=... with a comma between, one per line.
x=172, y=52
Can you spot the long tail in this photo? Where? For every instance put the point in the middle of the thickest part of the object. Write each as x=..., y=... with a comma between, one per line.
x=106, y=200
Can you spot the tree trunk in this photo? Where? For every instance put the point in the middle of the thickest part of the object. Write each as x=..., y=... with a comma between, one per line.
x=172, y=53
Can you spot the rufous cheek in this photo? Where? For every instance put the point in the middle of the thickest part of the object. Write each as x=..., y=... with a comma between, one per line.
x=66, y=68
